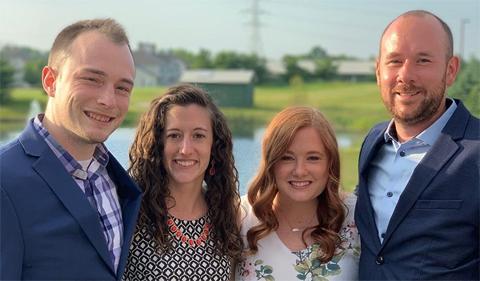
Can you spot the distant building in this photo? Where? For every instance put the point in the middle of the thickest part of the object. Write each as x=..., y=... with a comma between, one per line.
x=18, y=64
x=156, y=69
x=18, y=57
x=276, y=67
x=307, y=65
x=352, y=70
x=230, y=88
x=356, y=70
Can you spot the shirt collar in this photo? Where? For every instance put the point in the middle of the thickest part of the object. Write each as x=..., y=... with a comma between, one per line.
x=390, y=133
x=430, y=134
x=100, y=154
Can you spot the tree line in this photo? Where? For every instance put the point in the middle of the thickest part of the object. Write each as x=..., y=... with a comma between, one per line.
x=324, y=67
x=467, y=86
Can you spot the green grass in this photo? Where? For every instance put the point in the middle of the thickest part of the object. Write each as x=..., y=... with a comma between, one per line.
x=13, y=115
x=20, y=104
x=350, y=107
x=139, y=103
x=348, y=164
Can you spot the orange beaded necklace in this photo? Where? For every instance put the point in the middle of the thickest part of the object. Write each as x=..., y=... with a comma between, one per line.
x=175, y=230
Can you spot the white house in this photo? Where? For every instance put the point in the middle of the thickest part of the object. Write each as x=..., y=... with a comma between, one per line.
x=156, y=69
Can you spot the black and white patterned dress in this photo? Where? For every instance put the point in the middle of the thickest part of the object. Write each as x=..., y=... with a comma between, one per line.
x=182, y=262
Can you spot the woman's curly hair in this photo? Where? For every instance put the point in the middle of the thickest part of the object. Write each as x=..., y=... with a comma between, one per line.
x=263, y=189
x=147, y=169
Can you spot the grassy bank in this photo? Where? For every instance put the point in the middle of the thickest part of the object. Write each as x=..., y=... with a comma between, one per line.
x=351, y=107
x=13, y=114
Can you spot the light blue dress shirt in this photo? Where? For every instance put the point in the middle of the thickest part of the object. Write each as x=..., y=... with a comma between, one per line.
x=394, y=164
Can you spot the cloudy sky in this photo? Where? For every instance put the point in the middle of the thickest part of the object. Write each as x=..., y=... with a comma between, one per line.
x=349, y=27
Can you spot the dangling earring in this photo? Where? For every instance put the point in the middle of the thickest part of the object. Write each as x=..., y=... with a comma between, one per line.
x=212, y=171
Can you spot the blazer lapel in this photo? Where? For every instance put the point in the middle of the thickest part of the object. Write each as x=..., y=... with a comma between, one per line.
x=426, y=170
x=371, y=146
x=369, y=150
x=443, y=149
x=52, y=171
x=130, y=199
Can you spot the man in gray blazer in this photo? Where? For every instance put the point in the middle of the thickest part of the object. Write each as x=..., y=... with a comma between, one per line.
x=68, y=208
x=418, y=195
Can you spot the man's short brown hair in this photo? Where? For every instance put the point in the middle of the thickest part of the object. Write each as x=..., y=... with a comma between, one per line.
x=61, y=46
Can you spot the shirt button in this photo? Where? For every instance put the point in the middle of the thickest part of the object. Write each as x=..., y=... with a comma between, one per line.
x=379, y=260
x=383, y=235
x=389, y=194
x=402, y=153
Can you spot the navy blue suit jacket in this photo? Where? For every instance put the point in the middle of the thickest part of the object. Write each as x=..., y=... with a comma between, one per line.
x=49, y=231
x=433, y=233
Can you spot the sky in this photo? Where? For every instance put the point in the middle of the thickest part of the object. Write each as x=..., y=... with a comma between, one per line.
x=350, y=27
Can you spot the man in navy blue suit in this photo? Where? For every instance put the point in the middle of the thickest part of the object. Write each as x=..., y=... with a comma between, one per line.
x=418, y=195
x=68, y=208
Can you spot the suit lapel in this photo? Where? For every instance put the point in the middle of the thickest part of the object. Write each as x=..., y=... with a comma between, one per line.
x=369, y=150
x=371, y=146
x=65, y=188
x=426, y=170
x=442, y=151
x=130, y=198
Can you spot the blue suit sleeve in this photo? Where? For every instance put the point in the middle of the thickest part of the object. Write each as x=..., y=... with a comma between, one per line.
x=11, y=241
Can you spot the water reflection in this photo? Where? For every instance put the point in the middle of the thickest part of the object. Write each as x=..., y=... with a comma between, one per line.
x=8, y=135
x=246, y=149
x=33, y=110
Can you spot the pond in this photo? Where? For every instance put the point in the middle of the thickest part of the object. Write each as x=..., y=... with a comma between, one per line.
x=246, y=148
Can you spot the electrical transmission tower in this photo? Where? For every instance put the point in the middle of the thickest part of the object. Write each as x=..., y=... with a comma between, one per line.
x=255, y=23
x=463, y=22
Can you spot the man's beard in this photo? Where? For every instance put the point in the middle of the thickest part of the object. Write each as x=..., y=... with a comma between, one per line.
x=427, y=108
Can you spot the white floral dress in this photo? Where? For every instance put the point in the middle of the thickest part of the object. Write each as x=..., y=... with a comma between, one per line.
x=274, y=261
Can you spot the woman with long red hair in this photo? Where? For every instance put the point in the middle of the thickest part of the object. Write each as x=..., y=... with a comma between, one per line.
x=297, y=224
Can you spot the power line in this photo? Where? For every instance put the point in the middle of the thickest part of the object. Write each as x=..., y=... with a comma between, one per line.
x=463, y=22
x=256, y=45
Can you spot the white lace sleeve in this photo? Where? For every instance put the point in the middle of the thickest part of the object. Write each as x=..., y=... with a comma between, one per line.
x=350, y=227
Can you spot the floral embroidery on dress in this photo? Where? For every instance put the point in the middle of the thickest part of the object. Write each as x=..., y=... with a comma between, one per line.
x=308, y=264
x=349, y=236
x=262, y=272
x=275, y=262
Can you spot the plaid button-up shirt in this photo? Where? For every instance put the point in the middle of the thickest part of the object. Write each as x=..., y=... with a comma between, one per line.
x=99, y=189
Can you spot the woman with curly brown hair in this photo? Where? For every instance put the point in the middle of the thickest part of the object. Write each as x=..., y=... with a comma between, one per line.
x=297, y=224
x=182, y=160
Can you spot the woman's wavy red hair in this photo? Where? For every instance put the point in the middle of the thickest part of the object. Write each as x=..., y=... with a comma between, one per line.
x=262, y=191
